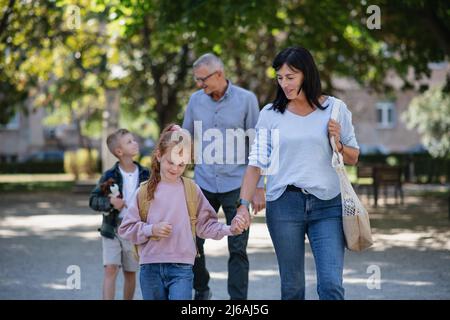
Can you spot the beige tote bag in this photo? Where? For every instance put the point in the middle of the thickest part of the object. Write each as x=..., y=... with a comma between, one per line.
x=355, y=218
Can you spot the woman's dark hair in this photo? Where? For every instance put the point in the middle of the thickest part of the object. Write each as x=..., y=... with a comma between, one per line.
x=298, y=58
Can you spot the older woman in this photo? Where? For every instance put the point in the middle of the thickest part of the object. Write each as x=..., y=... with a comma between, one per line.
x=303, y=195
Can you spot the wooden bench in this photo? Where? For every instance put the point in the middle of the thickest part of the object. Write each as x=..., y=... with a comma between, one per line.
x=388, y=176
x=365, y=171
x=382, y=177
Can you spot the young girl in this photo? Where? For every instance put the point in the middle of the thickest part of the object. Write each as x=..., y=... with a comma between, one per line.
x=166, y=259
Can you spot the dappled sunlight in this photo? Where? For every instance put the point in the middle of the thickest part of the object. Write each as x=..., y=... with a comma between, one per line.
x=412, y=246
x=256, y=274
x=253, y=274
x=364, y=281
x=421, y=241
x=56, y=286
x=421, y=224
x=19, y=248
x=219, y=275
x=374, y=217
x=43, y=205
x=260, y=249
x=259, y=239
x=40, y=203
x=84, y=235
x=361, y=268
x=36, y=210
x=259, y=242
x=390, y=204
x=216, y=248
x=82, y=203
x=13, y=233
x=11, y=282
x=50, y=225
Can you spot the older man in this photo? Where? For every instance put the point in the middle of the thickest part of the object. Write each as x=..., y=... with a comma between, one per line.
x=215, y=113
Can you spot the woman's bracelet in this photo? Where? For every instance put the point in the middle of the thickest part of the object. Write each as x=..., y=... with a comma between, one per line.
x=342, y=147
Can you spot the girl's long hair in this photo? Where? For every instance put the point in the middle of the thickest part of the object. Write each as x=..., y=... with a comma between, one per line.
x=167, y=140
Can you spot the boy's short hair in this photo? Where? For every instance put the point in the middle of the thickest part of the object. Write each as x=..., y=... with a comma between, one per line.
x=113, y=139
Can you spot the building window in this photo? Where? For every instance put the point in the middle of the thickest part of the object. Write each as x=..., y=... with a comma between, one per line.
x=385, y=114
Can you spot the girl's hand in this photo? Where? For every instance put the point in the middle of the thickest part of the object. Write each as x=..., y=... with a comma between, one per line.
x=162, y=229
x=243, y=217
x=334, y=130
x=237, y=225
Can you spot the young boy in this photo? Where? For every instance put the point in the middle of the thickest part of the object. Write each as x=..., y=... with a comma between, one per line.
x=127, y=174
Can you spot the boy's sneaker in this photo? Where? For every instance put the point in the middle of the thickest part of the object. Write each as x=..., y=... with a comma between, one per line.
x=203, y=295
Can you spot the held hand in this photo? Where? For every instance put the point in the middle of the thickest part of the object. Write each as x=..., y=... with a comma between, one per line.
x=244, y=217
x=162, y=229
x=117, y=203
x=259, y=201
x=334, y=130
x=237, y=225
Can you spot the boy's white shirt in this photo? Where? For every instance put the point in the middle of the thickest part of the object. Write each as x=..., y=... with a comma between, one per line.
x=129, y=186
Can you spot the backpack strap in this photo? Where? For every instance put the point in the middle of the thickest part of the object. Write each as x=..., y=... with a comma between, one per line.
x=190, y=191
x=144, y=204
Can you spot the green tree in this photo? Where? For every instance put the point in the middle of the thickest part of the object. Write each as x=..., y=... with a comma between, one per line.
x=248, y=35
x=27, y=31
x=429, y=114
x=146, y=48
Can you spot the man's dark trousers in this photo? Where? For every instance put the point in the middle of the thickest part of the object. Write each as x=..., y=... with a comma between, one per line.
x=238, y=266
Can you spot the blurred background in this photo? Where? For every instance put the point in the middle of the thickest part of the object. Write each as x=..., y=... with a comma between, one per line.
x=73, y=71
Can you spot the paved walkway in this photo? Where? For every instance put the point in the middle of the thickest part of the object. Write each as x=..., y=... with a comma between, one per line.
x=43, y=234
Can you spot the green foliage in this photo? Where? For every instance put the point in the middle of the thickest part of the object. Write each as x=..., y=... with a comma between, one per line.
x=392, y=161
x=81, y=162
x=146, y=48
x=429, y=113
x=27, y=30
x=146, y=161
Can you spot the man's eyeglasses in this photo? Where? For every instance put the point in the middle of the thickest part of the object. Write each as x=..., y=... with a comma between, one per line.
x=202, y=80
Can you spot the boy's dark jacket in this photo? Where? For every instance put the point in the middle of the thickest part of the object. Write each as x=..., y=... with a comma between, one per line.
x=98, y=201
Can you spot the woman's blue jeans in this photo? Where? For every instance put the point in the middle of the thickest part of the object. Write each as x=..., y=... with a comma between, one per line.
x=292, y=216
x=166, y=281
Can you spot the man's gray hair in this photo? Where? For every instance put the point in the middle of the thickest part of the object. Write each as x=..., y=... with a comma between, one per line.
x=211, y=61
